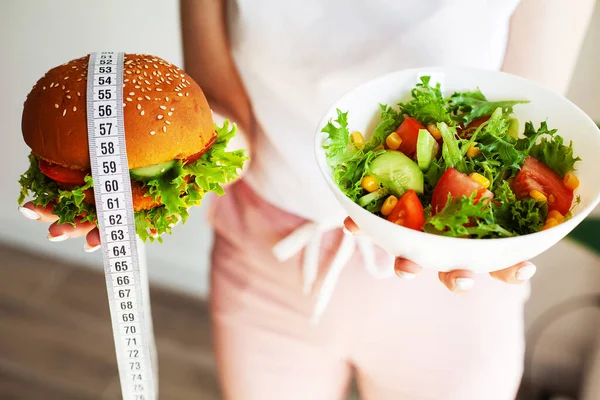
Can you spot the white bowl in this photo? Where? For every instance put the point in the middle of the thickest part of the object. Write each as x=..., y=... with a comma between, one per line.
x=479, y=255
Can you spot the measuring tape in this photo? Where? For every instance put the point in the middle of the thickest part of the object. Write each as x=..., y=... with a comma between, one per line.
x=124, y=266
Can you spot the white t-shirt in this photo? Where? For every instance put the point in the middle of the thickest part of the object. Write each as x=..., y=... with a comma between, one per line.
x=297, y=58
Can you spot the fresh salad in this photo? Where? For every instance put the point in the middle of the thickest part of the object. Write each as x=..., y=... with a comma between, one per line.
x=456, y=166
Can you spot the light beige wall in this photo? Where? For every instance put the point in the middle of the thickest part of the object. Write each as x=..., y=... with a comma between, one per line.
x=585, y=85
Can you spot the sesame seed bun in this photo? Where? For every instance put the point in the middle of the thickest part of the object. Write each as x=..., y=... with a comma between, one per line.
x=166, y=114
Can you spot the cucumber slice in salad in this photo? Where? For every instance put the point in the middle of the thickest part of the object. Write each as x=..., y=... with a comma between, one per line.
x=427, y=149
x=152, y=171
x=397, y=172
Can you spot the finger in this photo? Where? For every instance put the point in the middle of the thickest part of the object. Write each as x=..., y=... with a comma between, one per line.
x=92, y=241
x=351, y=227
x=458, y=281
x=43, y=214
x=519, y=273
x=59, y=232
x=406, y=269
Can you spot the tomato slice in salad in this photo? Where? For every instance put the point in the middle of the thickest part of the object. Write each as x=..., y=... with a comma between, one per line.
x=62, y=174
x=535, y=175
x=468, y=130
x=408, y=212
x=409, y=133
x=458, y=185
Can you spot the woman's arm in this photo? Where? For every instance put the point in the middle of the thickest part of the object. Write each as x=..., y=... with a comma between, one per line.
x=545, y=40
x=207, y=59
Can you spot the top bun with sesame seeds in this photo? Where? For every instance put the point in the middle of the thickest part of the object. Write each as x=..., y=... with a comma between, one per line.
x=166, y=114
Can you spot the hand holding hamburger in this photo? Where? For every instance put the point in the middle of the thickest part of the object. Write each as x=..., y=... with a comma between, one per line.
x=176, y=153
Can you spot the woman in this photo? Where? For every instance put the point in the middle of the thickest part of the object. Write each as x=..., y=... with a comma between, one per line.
x=280, y=332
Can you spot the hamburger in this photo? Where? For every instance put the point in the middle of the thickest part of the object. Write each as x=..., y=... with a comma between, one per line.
x=176, y=153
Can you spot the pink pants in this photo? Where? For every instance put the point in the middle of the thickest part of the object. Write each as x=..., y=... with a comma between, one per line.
x=403, y=339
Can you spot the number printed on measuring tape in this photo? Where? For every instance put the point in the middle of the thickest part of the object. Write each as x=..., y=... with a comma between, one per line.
x=125, y=292
x=114, y=218
x=104, y=127
x=114, y=207
x=107, y=147
x=110, y=165
x=105, y=108
x=105, y=93
x=111, y=184
x=120, y=264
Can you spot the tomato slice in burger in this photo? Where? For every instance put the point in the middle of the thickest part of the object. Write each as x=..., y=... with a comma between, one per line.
x=458, y=185
x=62, y=174
x=408, y=211
x=409, y=133
x=195, y=157
x=535, y=175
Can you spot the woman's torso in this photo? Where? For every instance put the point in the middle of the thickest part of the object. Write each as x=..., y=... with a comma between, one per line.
x=297, y=57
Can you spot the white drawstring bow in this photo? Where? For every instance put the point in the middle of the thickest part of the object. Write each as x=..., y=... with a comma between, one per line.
x=309, y=236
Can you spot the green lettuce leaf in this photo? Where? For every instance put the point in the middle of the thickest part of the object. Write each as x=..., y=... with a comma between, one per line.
x=427, y=105
x=527, y=143
x=348, y=162
x=433, y=174
x=43, y=189
x=457, y=216
x=337, y=146
x=69, y=204
x=468, y=106
x=451, y=151
x=519, y=216
x=555, y=154
x=496, y=144
x=390, y=121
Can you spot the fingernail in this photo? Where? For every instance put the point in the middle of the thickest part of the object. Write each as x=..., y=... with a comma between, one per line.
x=90, y=249
x=526, y=272
x=409, y=276
x=346, y=230
x=58, y=238
x=29, y=214
x=464, y=284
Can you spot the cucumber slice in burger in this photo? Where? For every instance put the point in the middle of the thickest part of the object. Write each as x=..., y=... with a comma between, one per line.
x=152, y=171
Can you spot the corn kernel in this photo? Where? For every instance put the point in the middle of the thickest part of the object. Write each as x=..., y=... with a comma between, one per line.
x=358, y=139
x=435, y=132
x=393, y=141
x=388, y=205
x=556, y=215
x=571, y=181
x=550, y=223
x=369, y=183
x=537, y=195
x=473, y=151
x=482, y=180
